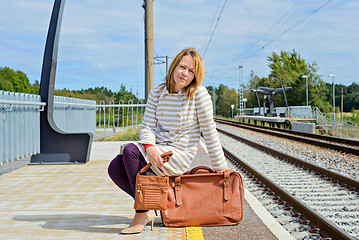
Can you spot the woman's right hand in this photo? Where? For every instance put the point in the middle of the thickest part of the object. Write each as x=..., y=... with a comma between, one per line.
x=154, y=156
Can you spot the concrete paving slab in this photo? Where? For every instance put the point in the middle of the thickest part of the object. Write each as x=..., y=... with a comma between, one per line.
x=62, y=202
x=70, y=202
x=78, y=202
x=105, y=150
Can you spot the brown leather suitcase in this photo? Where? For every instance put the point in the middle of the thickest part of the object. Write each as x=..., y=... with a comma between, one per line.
x=151, y=191
x=203, y=197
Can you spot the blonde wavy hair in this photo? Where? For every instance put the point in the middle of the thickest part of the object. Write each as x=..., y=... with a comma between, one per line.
x=198, y=70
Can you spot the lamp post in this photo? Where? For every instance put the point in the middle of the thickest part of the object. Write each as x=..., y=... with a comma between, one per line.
x=285, y=96
x=244, y=104
x=332, y=76
x=306, y=87
x=232, y=106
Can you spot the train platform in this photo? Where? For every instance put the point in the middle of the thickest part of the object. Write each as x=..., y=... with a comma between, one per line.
x=263, y=118
x=81, y=202
x=279, y=122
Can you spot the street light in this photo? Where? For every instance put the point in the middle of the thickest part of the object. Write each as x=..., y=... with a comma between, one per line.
x=332, y=76
x=306, y=86
x=232, y=106
x=244, y=103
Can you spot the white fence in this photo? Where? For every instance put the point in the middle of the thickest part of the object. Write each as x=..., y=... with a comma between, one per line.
x=114, y=118
x=20, y=125
x=74, y=115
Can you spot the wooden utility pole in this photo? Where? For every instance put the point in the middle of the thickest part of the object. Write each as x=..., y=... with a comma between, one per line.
x=166, y=65
x=342, y=106
x=149, y=55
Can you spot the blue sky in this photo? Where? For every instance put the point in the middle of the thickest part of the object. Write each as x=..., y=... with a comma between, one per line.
x=102, y=42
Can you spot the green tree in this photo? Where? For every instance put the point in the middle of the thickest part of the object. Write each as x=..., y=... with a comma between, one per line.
x=290, y=67
x=228, y=97
x=91, y=94
x=36, y=87
x=350, y=96
x=24, y=85
x=125, y=95
x=14, y=81
x=210, y=91
x=5, y=83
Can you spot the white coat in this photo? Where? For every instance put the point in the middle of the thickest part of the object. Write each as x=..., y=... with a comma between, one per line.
x=172, y=123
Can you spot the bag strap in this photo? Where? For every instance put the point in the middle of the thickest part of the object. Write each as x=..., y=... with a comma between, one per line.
x=194, y=170
x=165, y=157
x=178, y=190
x=227, y=185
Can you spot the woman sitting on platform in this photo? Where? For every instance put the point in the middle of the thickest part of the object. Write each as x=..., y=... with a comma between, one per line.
x=177, y=112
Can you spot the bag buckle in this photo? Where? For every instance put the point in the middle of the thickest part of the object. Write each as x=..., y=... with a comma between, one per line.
x=226, y=181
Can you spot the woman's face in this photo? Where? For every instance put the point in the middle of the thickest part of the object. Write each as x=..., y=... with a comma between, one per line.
x=184, y=73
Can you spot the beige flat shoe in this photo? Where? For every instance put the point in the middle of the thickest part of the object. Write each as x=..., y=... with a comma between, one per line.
x=139, y=228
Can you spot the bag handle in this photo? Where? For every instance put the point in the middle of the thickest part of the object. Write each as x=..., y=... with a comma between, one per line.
x=165, y=157
x=194, y=170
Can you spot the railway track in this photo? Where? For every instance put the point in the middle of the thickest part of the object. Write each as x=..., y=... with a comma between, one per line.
x=315, y=200
x=343, y=145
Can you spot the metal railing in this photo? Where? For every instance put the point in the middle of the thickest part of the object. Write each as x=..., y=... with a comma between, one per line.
x=338, y=128
x=75, y=115
x=325, y=123
x=118, y=118
x=20, y=122
x=19, y=127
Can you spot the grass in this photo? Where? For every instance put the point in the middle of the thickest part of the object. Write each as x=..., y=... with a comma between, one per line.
x=129, y=135
x=350, y=116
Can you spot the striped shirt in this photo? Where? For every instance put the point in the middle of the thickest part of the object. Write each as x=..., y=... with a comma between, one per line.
x=172, y=123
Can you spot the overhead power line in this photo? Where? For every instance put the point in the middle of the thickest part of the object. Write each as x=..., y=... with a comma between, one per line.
x=270, y=29
x=285, y=31
x=214, y=28
x=222, y=76
x=209, y=30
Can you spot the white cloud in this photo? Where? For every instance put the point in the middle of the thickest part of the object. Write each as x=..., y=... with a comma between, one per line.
x=102, y=42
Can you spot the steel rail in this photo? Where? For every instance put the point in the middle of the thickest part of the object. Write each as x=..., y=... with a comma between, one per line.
x=325, y=227
x=292, y=136
x=349, y=182
x=344, y=180
x=304, y=134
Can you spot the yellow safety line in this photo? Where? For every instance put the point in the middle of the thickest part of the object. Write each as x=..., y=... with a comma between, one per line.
x=194, y=233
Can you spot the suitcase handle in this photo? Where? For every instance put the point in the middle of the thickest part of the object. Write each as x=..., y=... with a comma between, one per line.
x=165, y=157
x=194, y=170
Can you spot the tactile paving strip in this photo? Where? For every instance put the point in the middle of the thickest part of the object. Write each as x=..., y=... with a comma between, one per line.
x=194, y=233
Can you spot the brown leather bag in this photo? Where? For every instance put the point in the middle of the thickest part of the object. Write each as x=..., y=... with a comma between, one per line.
x=152, y=191
x=203, y=197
